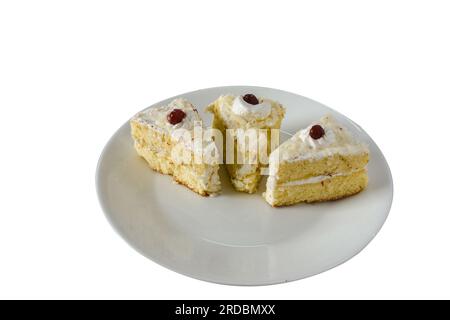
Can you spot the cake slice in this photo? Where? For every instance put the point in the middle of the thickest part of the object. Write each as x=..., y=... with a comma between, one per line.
x=319, y=163
x=165, y=137
x=237, y=116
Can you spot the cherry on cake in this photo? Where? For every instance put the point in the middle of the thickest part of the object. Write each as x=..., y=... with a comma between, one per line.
x=243, y=114
x=321, y=162
x=164, y=137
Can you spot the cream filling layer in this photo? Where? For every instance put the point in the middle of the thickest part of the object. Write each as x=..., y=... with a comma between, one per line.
x=272, y=182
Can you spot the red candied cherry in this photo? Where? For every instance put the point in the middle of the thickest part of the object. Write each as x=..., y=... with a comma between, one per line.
x=316, y=132
x=251, y=99
x=176, y=116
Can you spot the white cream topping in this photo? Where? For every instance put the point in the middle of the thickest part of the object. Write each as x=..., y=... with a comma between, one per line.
x=224, y=107
x=182, y=133
x=328, y=138
x=157, y=116
x=336, y=140
x=249, y=111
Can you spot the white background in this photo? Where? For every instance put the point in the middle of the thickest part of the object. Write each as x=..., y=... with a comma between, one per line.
x=72, y=72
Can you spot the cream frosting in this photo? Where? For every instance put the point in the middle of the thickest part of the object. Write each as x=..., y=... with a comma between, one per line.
x=336, y=140
x=182, y=133
x=249, y=111
x=237, y=116
x=157, y=116
x=328, y=138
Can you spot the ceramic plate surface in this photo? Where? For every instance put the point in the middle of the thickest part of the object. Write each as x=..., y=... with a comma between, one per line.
x=237, y=238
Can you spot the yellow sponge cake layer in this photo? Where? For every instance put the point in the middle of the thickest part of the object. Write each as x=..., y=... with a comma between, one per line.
x=247, y=181
x=331, y=165
x=188, y=175
x=153, y=145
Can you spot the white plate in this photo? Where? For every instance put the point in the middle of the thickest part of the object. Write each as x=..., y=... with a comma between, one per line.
x=237, y=238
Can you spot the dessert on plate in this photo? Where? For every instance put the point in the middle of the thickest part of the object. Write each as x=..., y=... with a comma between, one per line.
x=164, y=137
x=236, y=117
x=322, y=162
